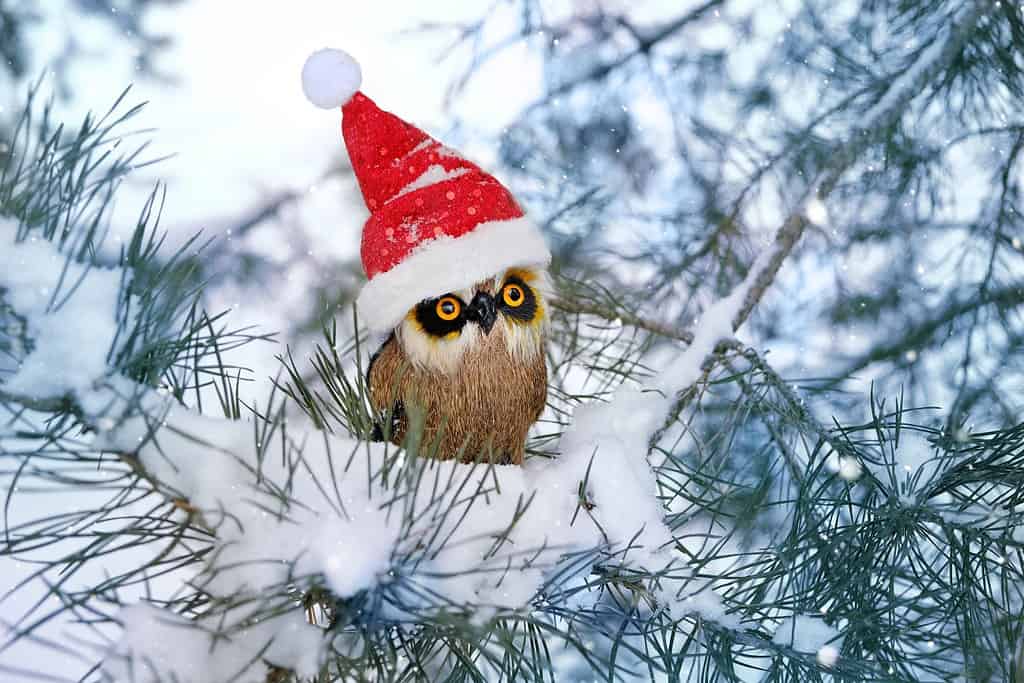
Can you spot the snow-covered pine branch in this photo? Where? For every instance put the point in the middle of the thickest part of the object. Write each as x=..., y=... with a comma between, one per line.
x=69, y=311
x=712, y=328
x=296, y=509
x=723, y=318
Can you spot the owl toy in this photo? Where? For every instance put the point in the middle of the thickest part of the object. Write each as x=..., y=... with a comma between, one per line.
x=456, y=285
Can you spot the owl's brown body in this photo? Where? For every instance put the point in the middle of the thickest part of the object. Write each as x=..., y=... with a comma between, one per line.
x=480, y=411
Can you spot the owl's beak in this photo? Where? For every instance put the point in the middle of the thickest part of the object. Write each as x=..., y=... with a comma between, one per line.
x=482, y=311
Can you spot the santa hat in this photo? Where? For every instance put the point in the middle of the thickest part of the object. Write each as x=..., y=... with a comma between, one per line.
x=437, y=222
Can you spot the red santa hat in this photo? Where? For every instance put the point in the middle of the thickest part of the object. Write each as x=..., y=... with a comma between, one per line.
x=438, y=223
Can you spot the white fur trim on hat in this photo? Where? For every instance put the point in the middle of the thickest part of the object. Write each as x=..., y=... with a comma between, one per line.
x=446, y=264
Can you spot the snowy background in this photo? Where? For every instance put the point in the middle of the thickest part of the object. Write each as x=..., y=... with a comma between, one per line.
x=878, y=298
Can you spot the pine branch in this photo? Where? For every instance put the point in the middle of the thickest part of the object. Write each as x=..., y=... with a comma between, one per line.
x=904, y=87
x=646, y=41
x=45, y=404
x=881, y=567
x=605, y=312
x=922, y=333
x=902, y=91
x=765, y=268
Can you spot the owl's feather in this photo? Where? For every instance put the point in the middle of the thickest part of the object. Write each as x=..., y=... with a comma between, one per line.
x=427, y=352
x=479, y=408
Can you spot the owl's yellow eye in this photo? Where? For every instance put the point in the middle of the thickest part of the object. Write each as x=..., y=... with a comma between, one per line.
x=448, y=308
x=513, y=295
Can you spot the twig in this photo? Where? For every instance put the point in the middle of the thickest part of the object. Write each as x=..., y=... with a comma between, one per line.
x=644, y=46
x=46, y=404
x=920, y=333
x=803, y=416
x=626, y=318
x=902, y=91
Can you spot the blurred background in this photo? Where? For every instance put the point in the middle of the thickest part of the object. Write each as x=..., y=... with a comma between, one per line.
x=659, y=144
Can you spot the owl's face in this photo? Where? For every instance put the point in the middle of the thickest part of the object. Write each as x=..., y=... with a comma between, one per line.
x=437, y=333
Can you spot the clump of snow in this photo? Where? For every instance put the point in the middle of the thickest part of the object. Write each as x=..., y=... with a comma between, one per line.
x=615, y=435
x=714, y=326
x=352, y=535
x=70, y=309
x=828, y=655
x=157, y=645
x=330, y=78
x=816, y=211
x=458, y=535
x=352, y=554
x=706, y=602
x=685, y=369
x=850, y=469
x=806, y=633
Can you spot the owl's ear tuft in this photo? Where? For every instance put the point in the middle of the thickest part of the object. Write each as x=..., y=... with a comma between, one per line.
x=330, y=78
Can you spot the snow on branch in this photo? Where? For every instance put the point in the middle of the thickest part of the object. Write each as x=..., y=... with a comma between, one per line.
x=70, y=310
x=930, y=60
x=428, y=536
x=292, y=508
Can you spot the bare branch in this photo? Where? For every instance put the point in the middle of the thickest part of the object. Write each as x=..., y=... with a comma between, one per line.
x=644, y=45
x=886, y=113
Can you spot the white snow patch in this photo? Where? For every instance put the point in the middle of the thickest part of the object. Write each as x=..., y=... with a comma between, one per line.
x=828, y=655
x=850, y=469
x=805, y=633
x=816, y=211
x=615, y=435
x=157, y=645
x=708, y=604
x=715, y=325
x=342, y=529
x=505, y=530
x=353, y=553
x=907, y=80
x=71, y=331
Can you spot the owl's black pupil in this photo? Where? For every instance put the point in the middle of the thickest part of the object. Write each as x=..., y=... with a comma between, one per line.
x=448, y=307
x=514, y=293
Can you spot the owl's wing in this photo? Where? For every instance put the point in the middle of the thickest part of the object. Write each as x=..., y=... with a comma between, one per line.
x=540, y=386
x=376, y=356
x=389, y=421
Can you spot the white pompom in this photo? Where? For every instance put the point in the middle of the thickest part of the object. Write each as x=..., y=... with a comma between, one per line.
x=330, y=78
